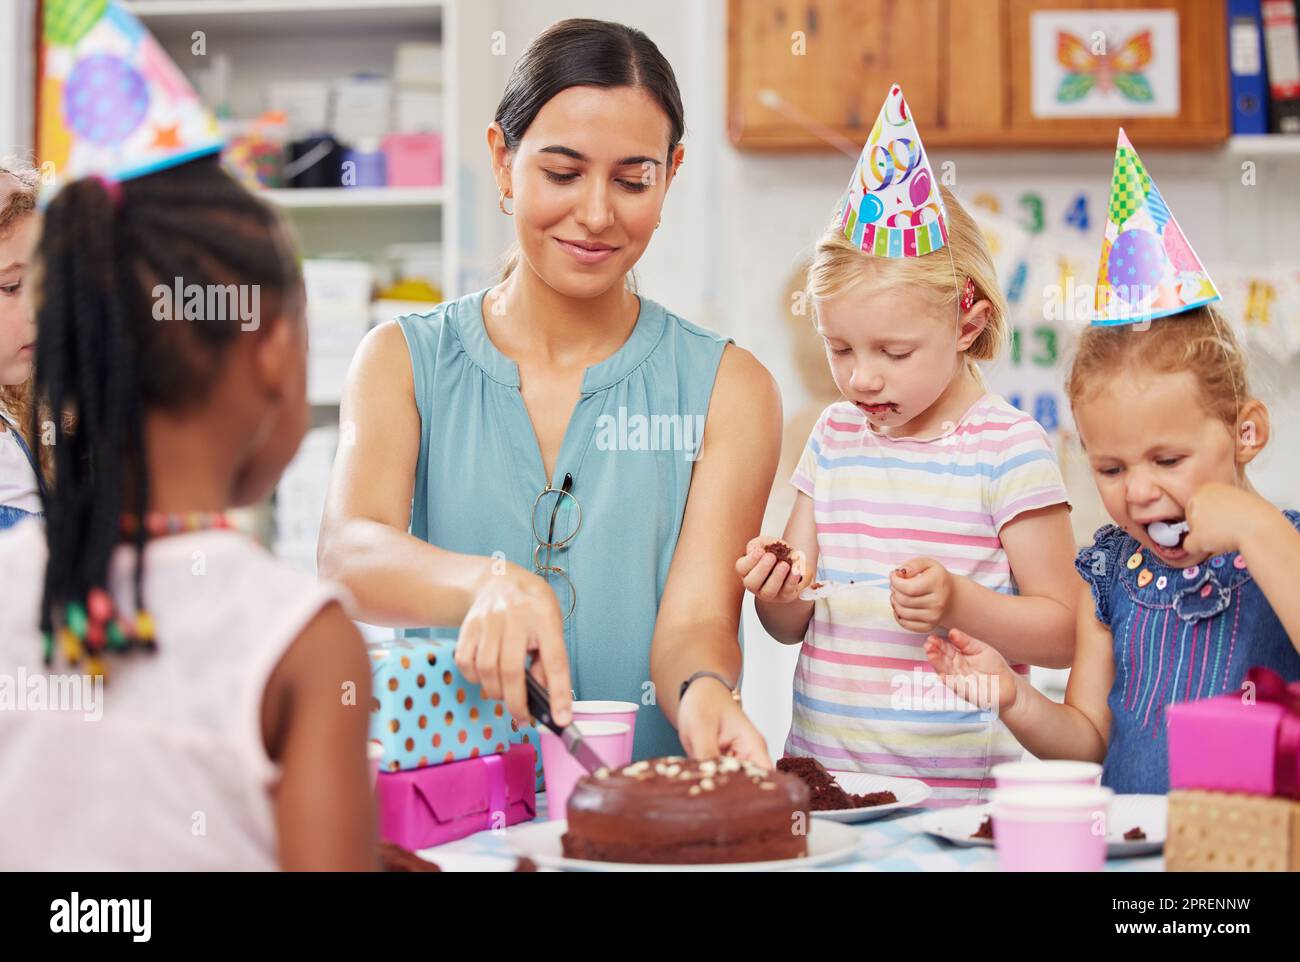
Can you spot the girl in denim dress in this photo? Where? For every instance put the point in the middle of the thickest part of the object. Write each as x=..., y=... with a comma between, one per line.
x=1194, y=583
x=20, y=474
x=1159, y=625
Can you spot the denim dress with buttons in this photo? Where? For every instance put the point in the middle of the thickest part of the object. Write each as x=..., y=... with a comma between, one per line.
x=1179, y=634
x=9, y=514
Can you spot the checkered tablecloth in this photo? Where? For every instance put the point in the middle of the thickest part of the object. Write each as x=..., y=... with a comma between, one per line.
x=892, y=843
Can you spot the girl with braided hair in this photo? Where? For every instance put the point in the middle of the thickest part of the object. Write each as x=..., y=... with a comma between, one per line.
x=234, y=718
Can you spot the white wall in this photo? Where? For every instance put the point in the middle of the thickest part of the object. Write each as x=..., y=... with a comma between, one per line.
x=17, y=22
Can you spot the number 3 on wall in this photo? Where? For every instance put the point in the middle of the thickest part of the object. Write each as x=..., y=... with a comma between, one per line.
x=1033, y=205
x=1045, y=339
x=1046, y=336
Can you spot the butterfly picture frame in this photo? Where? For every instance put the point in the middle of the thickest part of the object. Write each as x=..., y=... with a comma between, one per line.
x=1104, y=63
x=1103, y=67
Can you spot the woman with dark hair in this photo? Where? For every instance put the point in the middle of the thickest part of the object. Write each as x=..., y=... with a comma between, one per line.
x=557, y=467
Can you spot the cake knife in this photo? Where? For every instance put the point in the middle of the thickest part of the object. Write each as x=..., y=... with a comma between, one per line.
x=539, y=705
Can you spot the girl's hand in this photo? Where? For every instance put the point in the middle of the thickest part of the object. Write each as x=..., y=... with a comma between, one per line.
x=1223, y=517
x=921, y=594
x=767, y=578
x=967, y=665
x=711, y=723
x=514, y=614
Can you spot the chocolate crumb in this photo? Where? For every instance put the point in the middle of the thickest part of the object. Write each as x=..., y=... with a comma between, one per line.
x=1135, y=835
x=780, y=550
x=986, y=828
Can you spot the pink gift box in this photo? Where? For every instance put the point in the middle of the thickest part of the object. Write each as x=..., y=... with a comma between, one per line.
x=1229, y=744
x=441, y=803
x=414, y=160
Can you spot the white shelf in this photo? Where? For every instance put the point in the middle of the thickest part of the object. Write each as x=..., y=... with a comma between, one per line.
x=301, y=15
x=321, y=198
x=1264, y=145
x=318, y=41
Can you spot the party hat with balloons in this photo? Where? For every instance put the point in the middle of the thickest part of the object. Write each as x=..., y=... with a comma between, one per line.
x=113, y=104
x=893, y=207
x=1148, y=269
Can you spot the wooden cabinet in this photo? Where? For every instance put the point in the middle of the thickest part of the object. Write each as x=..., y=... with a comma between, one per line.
x=811, y=74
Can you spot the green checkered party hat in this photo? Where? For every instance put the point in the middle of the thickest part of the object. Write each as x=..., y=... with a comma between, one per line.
x=1147, y=269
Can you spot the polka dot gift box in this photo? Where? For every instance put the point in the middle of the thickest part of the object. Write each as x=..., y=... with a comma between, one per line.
x=112, y=102
x=425, y=713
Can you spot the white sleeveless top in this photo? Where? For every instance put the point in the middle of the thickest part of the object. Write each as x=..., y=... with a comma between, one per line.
x=174, y=775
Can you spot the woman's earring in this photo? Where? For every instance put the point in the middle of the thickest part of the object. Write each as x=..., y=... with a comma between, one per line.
x=501, y=202
x=657, y=223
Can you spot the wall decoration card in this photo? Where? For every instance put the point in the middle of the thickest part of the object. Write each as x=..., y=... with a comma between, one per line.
x=1104, y=63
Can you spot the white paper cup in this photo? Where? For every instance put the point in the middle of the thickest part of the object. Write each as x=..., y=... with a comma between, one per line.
x=1029, y=774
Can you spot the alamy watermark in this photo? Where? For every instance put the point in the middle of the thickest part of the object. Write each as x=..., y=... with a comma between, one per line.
x=75, y=915
x=208, y=302
x=52, y=693
x=920, y=690
x=1135, y=304
x=650, y=432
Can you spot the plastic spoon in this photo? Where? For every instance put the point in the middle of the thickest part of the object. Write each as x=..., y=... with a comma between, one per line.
x=1167, y=535
x=828, y=588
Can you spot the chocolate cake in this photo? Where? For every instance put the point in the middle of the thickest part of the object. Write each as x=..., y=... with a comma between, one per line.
x=1135, y=834
x=827, y=796
x=678, y=811
x=985, y=830
x=781, y=550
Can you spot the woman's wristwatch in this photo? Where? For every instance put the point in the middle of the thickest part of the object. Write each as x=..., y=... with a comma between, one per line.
x=735, y=690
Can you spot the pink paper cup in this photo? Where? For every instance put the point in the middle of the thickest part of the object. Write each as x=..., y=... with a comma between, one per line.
x=562, y=770
x=1033, y=774
x=610, y=711
x=1053, y=828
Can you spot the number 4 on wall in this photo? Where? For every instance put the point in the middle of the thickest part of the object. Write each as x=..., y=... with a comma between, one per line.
x=1077, y=215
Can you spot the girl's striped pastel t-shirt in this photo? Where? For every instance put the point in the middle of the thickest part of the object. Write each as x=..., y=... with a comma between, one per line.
x=865, y=697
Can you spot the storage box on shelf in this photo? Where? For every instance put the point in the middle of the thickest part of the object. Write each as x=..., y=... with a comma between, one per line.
x=300, y=498
x=368, y=74
x=338, y=316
